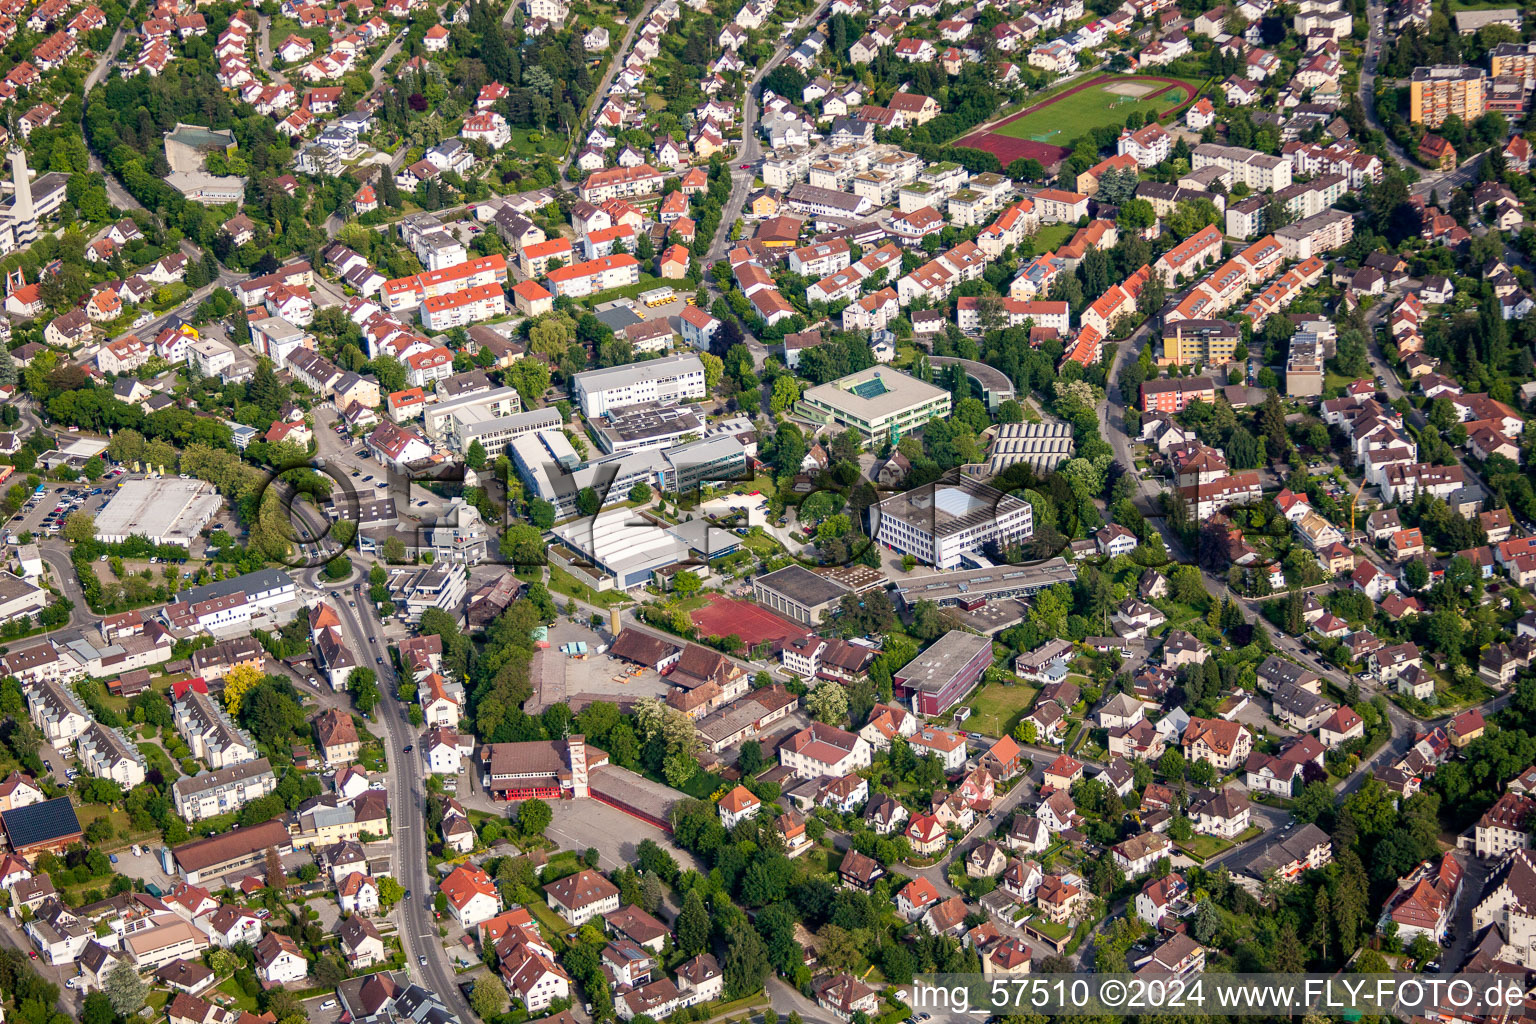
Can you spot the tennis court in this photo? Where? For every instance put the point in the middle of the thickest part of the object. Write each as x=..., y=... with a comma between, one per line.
x=755, y=625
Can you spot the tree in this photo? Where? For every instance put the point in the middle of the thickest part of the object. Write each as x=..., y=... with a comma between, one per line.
x=363, y=685
x=828, y=702
x=475, y=459
x=79, y=527
x=786, y=392
x=394, y=549
x=238, y=682
x=746, y=962
x=693, y=925
x=125, y=989
x=540, y=512
x=390, y=891
x=686, y=583
x=488, y=998
x=534, y=816
x=276, y=880
x=640, y=493
x=750, y=760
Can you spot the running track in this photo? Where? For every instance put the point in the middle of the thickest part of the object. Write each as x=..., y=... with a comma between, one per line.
x=1008, y=149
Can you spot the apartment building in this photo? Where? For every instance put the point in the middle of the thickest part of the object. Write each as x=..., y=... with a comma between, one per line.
x=1171, y=395
x=106, y=754
x=1208, y=342
x=404, y=293
x=469, y=306
x=1259, y=171
x=1324, y=232
x=593, y=276
x=219, y=792
x=1442, y=90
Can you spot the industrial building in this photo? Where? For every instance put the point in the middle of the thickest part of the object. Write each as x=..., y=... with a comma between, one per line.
x=1041, y=446
x=163, y=510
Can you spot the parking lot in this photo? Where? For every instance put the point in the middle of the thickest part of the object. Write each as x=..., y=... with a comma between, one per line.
x=44, y=514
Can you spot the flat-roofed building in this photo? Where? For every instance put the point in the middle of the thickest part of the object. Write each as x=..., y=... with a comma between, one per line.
x=880, y=403
x=945, y=672
x=443, y=420
x=942, y=522
x=665, y=381
x=1208, y=342
x=995, y=583
x=647, y=426
x=1441, y=91
x=798, y=593
x=166, y=511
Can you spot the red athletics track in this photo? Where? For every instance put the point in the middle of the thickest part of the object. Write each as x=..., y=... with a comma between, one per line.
x=753, y=623
x=1008, y=149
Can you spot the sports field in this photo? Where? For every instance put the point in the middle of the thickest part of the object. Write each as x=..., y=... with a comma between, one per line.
x=723, y=616
x=1073, y=114
x=1047, y=129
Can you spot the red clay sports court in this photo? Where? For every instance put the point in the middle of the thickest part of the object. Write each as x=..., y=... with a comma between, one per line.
x=755, y=625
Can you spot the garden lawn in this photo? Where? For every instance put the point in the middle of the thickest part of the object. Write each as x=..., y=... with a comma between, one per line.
x=1071, y=117
x=562, y=582
x=1051, y=928
x=996, y=709
x=1203, y=848
x=762, y=545
x=232, y=989
x=1050, y=237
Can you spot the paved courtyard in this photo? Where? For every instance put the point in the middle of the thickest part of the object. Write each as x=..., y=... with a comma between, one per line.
x=580, y=681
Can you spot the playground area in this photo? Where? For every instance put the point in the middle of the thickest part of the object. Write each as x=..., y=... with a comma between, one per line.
x=1047, y=130
x=755, y=625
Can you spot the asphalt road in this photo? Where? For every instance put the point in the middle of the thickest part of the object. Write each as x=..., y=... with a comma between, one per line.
x=418, y=929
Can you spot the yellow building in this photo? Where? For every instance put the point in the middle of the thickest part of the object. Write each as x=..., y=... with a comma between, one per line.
x=1439, y=91
x=1208, y=342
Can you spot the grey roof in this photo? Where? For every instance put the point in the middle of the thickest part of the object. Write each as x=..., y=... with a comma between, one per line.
x=251, y=582
x=803, y=586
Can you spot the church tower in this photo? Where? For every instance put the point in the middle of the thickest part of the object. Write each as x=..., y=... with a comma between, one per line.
x=23, y=218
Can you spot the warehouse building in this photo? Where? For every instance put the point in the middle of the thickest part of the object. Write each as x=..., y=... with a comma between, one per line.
x=163, y=510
